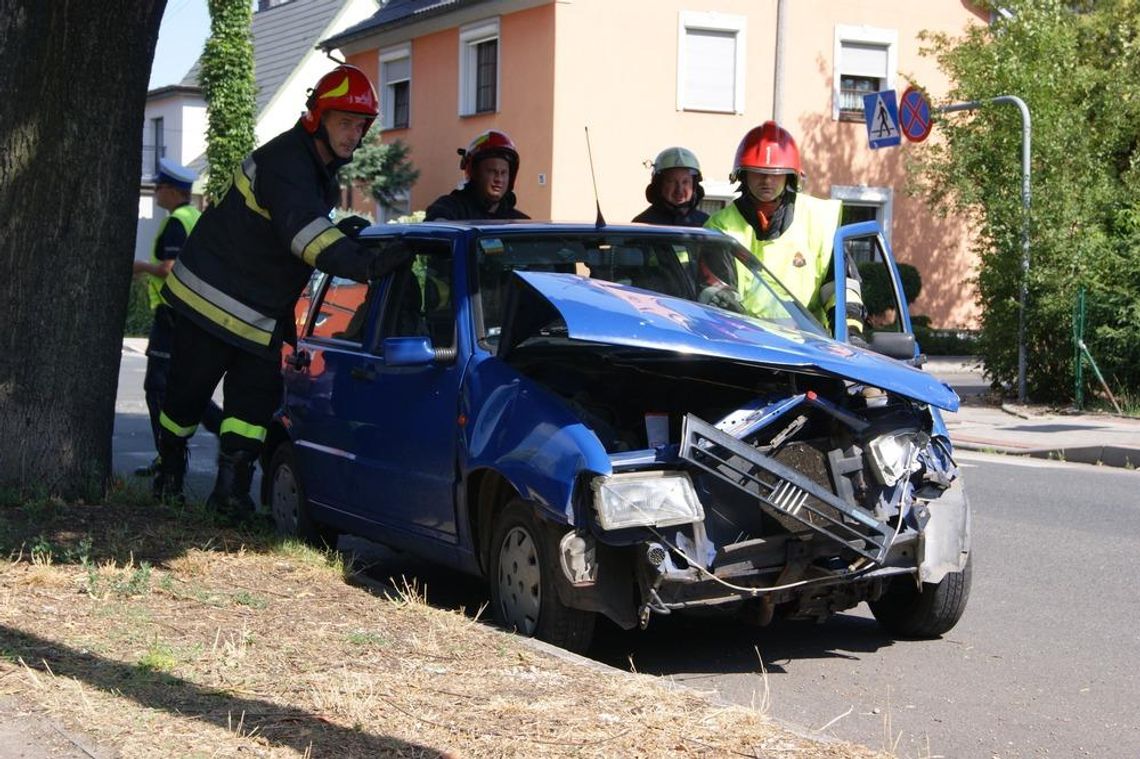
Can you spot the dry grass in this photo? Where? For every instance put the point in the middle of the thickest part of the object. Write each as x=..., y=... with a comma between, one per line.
x=163, y=635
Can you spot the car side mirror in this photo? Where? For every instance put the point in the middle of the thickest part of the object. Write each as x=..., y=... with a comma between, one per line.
x=408, y=351
x=900, y=345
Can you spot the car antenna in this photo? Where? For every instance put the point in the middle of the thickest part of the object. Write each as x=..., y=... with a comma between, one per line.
x=600, y=221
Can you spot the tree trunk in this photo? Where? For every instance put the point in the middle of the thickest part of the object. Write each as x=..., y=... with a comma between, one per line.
x=74, y=83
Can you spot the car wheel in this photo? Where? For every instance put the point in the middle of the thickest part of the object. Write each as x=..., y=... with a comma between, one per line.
x=523, y=595
x=289, y=505
x=908, y=613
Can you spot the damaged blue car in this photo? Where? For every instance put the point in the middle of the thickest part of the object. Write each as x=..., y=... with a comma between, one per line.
x=555, y=408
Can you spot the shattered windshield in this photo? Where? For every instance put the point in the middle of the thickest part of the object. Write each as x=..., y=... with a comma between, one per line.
x=717, y=272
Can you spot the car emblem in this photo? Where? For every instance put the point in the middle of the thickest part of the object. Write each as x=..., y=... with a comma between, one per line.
x=798, y=260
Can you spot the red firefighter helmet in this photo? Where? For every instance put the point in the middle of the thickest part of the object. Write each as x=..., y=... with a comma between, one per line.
x=490, y=144
x=768, y=149
x=345, y=88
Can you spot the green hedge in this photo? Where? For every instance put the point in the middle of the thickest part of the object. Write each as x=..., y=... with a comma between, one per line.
x=139, y=315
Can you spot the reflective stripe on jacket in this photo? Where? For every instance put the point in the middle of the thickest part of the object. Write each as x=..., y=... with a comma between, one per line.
x=187, y=215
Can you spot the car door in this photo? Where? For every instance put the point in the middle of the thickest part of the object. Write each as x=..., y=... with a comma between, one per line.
x=397, y=404
x=888, y=327
x=331, y=334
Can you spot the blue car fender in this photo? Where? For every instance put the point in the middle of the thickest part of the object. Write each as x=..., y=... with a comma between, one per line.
x=524, y=432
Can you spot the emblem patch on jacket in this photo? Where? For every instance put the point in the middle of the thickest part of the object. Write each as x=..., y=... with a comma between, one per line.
x=798, y=259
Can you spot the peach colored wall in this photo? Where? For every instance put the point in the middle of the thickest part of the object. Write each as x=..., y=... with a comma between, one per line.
x=837, y=152
x=436, y=130
x=616, y=72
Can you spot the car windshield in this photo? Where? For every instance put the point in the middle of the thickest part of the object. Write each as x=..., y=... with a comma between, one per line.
x=716, y=271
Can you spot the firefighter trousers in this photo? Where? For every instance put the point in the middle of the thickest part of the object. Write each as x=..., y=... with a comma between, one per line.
x=251, y=389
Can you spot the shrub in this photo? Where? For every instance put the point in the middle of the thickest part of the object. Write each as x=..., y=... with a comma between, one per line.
x=139, y=316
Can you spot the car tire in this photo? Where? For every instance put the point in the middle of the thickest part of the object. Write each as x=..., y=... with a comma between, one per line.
x=906, y=612
x=288, y=504
x=523, y=595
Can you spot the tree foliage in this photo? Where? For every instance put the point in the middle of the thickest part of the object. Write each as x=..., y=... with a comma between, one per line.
x=228, y=86
x=1075, y=65
x=385, y=168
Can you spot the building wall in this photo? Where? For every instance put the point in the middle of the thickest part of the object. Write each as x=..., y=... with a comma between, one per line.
x=620, y=80
x=436, y=130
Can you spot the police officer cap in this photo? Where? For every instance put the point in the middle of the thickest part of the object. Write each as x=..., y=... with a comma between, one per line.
x=175, y=174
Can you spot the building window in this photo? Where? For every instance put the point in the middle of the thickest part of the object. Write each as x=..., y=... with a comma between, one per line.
x=479, y=68
x=710, y=62
x=396, y=87
x=159, y=142
x=865, y=61
x=866, y=204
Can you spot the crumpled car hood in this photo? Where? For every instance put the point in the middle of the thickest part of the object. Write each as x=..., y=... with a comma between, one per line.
x=605, y=312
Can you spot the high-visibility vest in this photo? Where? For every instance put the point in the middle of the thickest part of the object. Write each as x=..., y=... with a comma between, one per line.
x=799, y=258
x=188, y=216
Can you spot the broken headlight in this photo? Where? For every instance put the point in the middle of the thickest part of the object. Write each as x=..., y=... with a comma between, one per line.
x=893, y=456
x=645, y=499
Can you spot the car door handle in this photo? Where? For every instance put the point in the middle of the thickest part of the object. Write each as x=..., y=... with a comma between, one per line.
x=299, y=359
x=364, y=373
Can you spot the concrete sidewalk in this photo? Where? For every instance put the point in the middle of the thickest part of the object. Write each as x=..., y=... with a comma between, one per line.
x=1030, y=430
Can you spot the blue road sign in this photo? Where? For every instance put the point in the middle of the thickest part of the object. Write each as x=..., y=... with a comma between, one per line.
x=882, y=114
x=914, y=115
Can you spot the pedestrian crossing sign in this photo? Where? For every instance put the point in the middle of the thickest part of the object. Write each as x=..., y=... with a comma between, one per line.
x=882, y=113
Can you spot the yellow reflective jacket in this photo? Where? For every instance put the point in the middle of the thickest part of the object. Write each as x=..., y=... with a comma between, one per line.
x=800, y=258
x=167, y=250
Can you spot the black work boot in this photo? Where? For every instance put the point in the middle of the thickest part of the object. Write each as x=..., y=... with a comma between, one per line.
x=231, y=499
x=172, y=457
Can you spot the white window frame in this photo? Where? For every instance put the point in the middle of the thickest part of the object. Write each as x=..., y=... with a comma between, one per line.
x=884, y=197
x=712, y=22
x=863, y=35
x=470, y=37
x=387, y=111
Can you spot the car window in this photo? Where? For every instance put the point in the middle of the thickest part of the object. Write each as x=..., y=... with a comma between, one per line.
x=422, y=303
x=341, y=311
x=676, y=265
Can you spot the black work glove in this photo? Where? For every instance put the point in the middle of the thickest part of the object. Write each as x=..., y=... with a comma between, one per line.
x=352, y=226
x=389, y=258
x=723, y=296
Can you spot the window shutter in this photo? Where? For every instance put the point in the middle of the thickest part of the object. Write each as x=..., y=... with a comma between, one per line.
x=858, y=59
x=710, y=78
x=397, y=70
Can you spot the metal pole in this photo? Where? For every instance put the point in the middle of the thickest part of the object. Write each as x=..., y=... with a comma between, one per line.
x=778, y=84
x=1022, y=396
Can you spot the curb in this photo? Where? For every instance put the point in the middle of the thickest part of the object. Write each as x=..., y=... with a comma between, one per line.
x=1097, y=455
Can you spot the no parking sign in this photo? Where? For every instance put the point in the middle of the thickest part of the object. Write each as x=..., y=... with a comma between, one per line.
x=914, y=115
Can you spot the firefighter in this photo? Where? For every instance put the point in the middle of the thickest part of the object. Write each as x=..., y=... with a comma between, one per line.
x=790, y=231
x=491, y=165
x=674, y=190
x=235, y=285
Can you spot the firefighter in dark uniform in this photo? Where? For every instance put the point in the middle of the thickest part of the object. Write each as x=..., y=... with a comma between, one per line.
x=491, y=164
x=674, y=191
x=235, y=285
